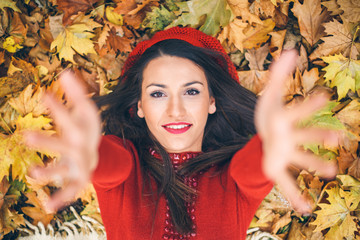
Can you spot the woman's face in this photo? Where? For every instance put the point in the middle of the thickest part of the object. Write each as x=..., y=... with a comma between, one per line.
x=175, y=103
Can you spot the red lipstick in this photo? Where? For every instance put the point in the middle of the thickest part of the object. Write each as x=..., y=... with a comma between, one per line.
x=177, y=128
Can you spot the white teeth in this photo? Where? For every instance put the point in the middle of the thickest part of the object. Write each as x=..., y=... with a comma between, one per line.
x=177, y=126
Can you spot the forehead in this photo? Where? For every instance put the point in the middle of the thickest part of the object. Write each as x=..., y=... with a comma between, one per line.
x=172, y=70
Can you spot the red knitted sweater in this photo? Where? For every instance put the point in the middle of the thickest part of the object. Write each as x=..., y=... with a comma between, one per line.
x=221, y=210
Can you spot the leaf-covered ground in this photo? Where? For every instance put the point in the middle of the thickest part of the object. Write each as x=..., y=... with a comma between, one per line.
x=41, y=38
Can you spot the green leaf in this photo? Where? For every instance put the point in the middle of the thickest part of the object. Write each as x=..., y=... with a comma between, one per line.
x=158, y=19
x=216, y=13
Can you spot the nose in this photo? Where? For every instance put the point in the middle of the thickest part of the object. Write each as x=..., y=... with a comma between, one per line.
x=175, y=107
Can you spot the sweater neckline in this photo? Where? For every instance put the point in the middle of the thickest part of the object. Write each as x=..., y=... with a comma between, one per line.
x=177, y=158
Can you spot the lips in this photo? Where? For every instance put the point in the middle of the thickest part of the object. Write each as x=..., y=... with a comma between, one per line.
x=177, y=128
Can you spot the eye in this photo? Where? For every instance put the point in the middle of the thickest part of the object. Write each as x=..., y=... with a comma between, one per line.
x=157, y=94
x=192, y=92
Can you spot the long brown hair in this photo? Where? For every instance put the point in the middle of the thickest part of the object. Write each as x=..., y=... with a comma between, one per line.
x=226, y=131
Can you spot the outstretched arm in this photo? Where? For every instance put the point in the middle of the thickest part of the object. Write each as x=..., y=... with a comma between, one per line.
x=277, y=127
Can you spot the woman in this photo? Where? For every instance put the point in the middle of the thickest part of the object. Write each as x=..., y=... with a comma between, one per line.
x=180, y=159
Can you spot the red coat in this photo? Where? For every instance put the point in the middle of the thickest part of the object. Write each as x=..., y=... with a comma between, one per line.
x=222, y=210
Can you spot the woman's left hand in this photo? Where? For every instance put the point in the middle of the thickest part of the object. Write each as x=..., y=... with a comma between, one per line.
x=277, y=127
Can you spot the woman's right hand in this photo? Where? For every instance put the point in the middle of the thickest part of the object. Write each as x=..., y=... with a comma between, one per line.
x=77, y=143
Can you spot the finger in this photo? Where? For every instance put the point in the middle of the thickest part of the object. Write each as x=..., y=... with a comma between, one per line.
x=290, y=189
x=45, y=143
x=305, y=160
x=59, y=112
x=63, y=196
x=49, y=173
x=279, y=72
x=316, y=135
x=74, y=90
x=308, y=107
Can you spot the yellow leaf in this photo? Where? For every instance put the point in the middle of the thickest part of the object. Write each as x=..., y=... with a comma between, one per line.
x=29, y=101
x=9, y=4
x=350, y=116
x=75, y=38
x=334, y=214
x=10, y=45
x=342, y=73
x=258, y=34
x=114, y=17
x=30, y=123
x=37, y=213
x=234, y=33
x=345, y=230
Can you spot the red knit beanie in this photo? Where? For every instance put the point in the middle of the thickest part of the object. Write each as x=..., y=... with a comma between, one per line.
x=190, y=35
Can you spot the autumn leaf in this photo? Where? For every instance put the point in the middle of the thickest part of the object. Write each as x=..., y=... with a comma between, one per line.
x=335, y=214
x=76, y=38
x=342, y=73
x=332, y=6
x=276, y=43
x=9, y=4
x=351, y=10
x=13, y=150
x=233, y=33
x=216, y=15
x=350, y=116
x=310, y=17
x=240, y=8
x=37, y=212
x=158, y=19
x=71, y=7
x=258, y=34
x=263, y=8
x=340, y=40
x=30, y=101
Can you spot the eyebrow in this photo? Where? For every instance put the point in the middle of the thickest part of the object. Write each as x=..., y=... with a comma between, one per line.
x=164, y=86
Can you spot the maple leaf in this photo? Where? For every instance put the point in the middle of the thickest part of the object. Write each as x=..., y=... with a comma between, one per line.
x=352, y=195
x=253, y=80
x=158, y=19
x=342, y=73
x=76, y=38
x=310, y=17
x=351, y=9
x=37, y=212
x=240, y=8
x=257, y=57
x=345, y=159
x=276, y=43
x=216, y=14
x=233, y=33
x=9, y=4
x=71, y=7
x=14, y=152
x=340, y=40
x=29, y=101
x=333, y=7
x=336, y=214
x=263, y=8
x=258, y=34
x=350, y=116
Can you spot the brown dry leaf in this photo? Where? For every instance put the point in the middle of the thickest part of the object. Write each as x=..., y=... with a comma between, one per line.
x=340, y=40
x=350, y=116
x=263, y=8
x=72, y=7
x=281, y=15
x=17, y=28
x=2, y=57
x=8, y=118
x=253, y=80
x=103, y=36
x=351, y=10
x=345, y=160
x=293, y=85
x=241, y=9
x=333, y=7
x=354, y=169
x=308, y=79
x=281, y=222
x=258, y=34
x=29, y=101
x=310, y=17
x=37, y=213
x=302, y=62
x=120, y=44
x=276, y=43
x=303, y=232
x=256, y=57
x=233, y=33
x=41, y=57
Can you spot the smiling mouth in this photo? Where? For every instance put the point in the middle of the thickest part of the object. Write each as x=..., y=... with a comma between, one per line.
x=177, y=128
